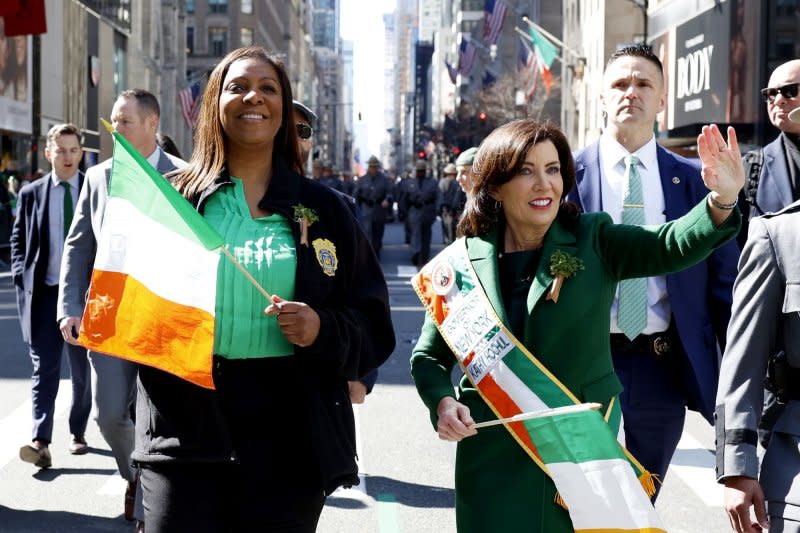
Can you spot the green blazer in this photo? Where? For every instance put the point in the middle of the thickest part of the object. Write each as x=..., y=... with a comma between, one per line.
x=571, y=338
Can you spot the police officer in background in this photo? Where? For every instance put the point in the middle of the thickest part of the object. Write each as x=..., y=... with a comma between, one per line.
x=329, y=177
x=373, y=195
x=422, y=198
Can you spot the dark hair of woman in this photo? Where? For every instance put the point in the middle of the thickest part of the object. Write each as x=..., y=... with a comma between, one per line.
x=500, y=158
x=210, y=144
x=168, y=145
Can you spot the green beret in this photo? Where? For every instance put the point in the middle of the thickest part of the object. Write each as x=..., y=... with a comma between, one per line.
x=467, y=157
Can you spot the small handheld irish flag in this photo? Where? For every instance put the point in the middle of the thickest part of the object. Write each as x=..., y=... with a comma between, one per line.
x=153, y=289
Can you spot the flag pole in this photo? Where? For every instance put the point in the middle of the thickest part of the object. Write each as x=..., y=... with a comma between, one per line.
x=540, y=414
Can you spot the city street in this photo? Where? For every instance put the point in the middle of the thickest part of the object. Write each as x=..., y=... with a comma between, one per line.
x=407, y=472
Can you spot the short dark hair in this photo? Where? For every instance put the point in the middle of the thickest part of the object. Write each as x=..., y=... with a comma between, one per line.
x=637, y=50
x=148, y=103
x=166, y=143
x=62, y=129
x=500, y=157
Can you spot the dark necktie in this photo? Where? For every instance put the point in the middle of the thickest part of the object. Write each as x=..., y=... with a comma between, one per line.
x=68, y=209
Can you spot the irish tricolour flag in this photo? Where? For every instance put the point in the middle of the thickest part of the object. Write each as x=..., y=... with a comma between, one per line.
x=153, y=287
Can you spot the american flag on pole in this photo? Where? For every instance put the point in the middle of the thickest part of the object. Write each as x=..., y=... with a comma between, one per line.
x=493, y=14
x=528, y=68
x=466, y=57
x=189, y=100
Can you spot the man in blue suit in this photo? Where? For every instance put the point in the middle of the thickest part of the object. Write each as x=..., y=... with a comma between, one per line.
x=43, y=219
x=669, y=359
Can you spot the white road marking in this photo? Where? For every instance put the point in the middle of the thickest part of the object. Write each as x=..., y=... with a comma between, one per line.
x=16, y=427
x=406, y=271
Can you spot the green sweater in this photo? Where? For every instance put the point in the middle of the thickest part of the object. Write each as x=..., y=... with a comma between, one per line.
x=265, y=247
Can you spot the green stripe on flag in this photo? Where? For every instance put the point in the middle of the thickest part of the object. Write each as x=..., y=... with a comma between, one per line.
x=547, y=50
x=574, y=438
x=135, y=180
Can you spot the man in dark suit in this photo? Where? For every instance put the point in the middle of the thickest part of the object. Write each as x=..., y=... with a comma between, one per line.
x=421, y=200
x=136, y=116
x=43, y=219
x=777, y=165
x=665, y=335
x=373, y=195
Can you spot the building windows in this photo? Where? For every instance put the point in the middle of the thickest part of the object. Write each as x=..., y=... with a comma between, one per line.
x=218, y=6
x=247, y=7
x=190, y=40
x=245, y=37
x=190, y=6
x=217, y=41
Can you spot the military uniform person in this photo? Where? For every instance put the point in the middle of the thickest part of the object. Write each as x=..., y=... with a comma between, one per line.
x=329, y=177
x=372, y=195
x=421, y=198
x=764, y=330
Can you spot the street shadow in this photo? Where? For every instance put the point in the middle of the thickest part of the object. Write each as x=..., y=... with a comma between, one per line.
x=411, y=494
x=38, y=521
x=51, y=474
x=344, y=503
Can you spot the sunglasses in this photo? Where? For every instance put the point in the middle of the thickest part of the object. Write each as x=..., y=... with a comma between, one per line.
x=788, y=91
x=304, y=131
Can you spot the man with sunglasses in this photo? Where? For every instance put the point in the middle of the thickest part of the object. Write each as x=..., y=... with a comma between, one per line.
x=773, y=173
x=304, y=118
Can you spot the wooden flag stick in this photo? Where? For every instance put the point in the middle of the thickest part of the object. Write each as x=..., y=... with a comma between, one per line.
x=540, y=414
x=247, y=274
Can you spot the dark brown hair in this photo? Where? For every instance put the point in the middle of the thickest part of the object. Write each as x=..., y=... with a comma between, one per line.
x=62, y=129
x=637, y=50
x=210, y=144
x=500, y=158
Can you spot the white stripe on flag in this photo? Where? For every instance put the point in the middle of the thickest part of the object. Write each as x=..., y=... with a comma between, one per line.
x=612, y=485
x=135, y=244
x=519, y=393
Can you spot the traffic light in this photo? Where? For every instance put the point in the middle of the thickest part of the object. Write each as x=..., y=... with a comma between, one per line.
x=482, y=115
x=456, y=151
x=421, y=154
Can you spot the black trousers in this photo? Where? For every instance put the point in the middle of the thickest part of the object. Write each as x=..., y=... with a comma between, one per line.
x=273, y=485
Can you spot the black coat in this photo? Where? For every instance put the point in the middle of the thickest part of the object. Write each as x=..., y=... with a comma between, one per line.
x=178, y=421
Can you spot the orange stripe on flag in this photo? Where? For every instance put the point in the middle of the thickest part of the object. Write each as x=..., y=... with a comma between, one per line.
x=126, y=319
x=507, y=408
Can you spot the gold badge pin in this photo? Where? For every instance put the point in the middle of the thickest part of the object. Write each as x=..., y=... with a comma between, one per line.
x=326, y=255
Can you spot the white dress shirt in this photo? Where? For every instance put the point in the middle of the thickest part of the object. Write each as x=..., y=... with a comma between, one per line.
x=612, y=186
x=55, y=220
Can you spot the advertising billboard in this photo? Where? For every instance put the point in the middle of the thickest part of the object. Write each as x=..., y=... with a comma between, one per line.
x=16, y=102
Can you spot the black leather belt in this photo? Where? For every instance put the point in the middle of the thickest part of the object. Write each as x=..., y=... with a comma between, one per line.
x=658, y=344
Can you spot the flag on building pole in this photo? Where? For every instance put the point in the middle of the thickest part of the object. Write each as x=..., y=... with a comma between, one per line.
x=153, y=290
x=451, y=71
x=528, y=70
x=189, y=100
x=466, y=57
x=546, y=53
x=494, y=12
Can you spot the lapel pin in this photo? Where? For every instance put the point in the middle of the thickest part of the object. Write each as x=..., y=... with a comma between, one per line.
x=676, y=180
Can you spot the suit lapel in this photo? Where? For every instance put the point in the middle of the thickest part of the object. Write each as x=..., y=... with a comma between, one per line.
x=164, y=163
x=668, y=171
x=777, y=166
x=482, y=253
x=557, y=238
x=587, y=178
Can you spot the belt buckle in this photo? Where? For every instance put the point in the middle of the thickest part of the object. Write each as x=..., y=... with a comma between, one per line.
x=661, y=345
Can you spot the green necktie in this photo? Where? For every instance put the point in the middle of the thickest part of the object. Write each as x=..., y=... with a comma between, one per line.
x=68, y=209
x=632, y=308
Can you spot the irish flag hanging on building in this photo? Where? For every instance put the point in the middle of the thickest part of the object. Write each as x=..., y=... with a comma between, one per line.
x=153, y=289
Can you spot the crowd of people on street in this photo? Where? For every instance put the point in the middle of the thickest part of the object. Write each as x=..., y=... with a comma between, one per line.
x=619, y=275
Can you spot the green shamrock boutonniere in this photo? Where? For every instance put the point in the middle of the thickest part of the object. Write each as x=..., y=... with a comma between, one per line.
x=562, y=266
x=304, y=216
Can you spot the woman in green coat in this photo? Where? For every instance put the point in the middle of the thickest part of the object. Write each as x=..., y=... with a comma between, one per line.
x=514, y=223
